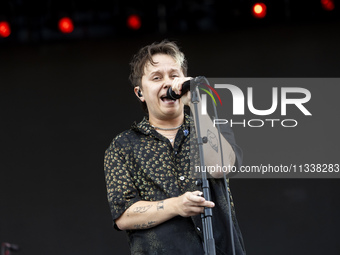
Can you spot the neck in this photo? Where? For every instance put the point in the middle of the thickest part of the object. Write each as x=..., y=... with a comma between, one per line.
x=167, y=123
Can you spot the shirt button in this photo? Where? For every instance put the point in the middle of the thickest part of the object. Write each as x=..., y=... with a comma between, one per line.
x=198, y=229
x=175, y=152
x=182, y=178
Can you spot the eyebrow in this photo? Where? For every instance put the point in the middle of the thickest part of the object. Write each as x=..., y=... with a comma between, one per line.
x=159, y=71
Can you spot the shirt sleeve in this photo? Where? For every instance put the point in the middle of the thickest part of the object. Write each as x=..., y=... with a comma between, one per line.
x=121, y=191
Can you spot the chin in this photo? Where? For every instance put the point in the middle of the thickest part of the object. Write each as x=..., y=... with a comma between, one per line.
x=175, y=114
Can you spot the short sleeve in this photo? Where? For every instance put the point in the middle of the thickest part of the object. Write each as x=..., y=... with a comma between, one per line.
x=121, y=191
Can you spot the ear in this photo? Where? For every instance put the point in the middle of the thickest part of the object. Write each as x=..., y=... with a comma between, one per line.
x=139, y=93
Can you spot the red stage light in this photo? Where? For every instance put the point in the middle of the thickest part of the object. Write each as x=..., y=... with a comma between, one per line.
x=66, y=25
x=134, y=22
x=5, y=29
x=328, y=5
x=259, y=10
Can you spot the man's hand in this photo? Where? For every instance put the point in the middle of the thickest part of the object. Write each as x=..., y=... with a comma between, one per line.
x=176, y=86
x=192, y=203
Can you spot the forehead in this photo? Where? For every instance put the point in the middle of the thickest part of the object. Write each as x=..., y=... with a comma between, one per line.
x=162, y=62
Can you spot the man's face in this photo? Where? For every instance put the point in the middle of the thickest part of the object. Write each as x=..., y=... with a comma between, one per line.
x=156, y=80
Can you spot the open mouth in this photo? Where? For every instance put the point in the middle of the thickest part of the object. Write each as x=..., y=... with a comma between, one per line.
x=166, y=99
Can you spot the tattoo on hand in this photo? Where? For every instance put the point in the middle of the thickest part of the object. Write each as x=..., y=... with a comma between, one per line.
x=212, y=139
x=142, y=209
x=160, y=205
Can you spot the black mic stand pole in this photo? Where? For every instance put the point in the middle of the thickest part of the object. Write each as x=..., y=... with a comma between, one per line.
x=209, y=242
x=231, y=231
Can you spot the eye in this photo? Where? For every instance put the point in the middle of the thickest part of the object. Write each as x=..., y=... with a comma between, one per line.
x=155, y=78
x=175, y=75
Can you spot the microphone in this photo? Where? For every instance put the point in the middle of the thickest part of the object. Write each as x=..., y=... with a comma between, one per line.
x=185, y=88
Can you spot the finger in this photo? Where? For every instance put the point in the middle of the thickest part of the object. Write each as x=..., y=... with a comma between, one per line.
x=209, y=204
x=196, y=197
x=197, y=193
x=198, y=210
x=176, y=86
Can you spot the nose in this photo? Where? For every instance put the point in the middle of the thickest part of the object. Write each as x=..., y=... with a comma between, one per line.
x=167, y=82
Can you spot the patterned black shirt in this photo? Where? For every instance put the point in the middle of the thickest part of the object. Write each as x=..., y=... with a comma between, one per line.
x=141, y=164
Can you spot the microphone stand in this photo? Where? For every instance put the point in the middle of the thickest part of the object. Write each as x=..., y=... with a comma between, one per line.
x=231, y=231
x=209, y=242
x=208, y=237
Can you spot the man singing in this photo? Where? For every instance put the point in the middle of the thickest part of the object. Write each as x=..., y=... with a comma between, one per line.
x=151, y=190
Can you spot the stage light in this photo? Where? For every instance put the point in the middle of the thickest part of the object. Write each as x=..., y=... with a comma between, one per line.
x=259, y=10
x=65, y=25
x=134, y=22
x=5, y=29
x=328, y=5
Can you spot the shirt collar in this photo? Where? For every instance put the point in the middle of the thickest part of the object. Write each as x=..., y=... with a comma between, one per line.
x=145, y=127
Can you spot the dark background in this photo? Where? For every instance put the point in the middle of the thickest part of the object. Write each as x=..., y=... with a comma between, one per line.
x=63, y=101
